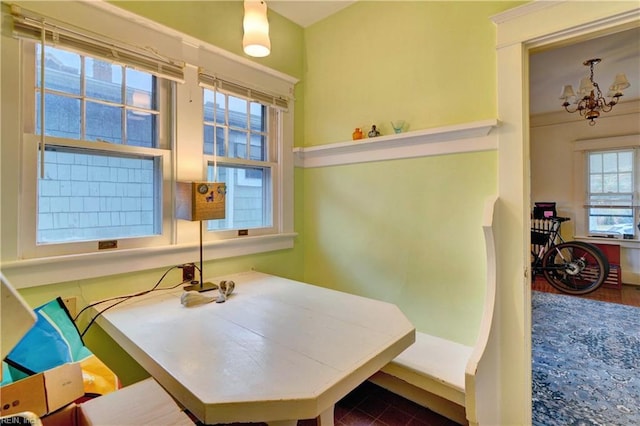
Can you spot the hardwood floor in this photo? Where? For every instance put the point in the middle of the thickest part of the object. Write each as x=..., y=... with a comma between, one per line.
x=627, y=295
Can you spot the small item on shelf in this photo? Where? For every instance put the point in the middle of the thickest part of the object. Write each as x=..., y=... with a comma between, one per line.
x=357, y=134
x=373, y=132
x=397, y=125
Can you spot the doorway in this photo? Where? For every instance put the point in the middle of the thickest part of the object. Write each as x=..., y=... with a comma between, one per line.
x=533, y=25
x=552, y=156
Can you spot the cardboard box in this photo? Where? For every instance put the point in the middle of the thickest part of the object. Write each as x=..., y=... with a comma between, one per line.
x=143, y=403
x=43, y=393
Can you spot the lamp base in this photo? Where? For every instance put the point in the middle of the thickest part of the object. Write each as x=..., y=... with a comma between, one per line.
x=201, y=287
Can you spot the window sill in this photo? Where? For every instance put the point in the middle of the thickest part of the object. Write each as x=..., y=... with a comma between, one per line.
x=468, y=137
x=633, y=244
x=36, y=272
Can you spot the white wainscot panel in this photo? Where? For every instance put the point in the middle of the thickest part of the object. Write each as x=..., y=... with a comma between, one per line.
x=468, y=137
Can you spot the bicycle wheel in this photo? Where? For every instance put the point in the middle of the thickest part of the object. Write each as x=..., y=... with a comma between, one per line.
x=575, y=267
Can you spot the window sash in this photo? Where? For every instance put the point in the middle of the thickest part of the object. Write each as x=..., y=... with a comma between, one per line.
x=160, y=106
x=611, y=198
x=127, y=109
x=271, y=197
x=234, y=221
x=30, y=249
x=102, y=197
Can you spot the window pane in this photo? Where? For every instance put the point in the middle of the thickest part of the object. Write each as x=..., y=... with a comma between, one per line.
x=209, y=141
x=610, y=162
x=595, y=163
x=596, y=184
x=237, y=144
x=61, y=118
x=103, y=80
x=94, y=196
x=140, y=89
x=237, y=112
x=258, y=143
x=104, y=123
x=610, y=183
x=625, y=161
x=141, y=129
x=625, y=182
x=214, y=103
x=248, y=202
x=258, y=122
x=62, y=70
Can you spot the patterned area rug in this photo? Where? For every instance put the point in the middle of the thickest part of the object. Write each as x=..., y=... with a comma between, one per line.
x=586, y=362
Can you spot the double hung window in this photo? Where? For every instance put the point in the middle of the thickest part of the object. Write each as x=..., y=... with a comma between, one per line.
x=611, y=188
x=96, y=137
x=241, y=132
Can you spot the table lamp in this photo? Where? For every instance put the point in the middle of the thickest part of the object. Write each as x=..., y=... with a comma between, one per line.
x=199, y=201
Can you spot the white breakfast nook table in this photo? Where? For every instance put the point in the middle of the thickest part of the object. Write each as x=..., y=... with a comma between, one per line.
x=277, y=351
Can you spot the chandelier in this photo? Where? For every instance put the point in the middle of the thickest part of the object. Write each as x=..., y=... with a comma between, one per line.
x=589, y=101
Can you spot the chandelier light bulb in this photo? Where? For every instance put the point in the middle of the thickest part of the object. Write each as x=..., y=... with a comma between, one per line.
x=255, y=41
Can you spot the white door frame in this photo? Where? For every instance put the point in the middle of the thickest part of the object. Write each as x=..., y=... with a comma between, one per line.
x=518, y=30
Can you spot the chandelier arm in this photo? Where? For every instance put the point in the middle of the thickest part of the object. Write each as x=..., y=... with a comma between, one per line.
x=606, y=107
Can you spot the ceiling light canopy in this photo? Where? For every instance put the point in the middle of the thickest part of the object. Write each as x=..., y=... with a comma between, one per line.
x=256, y=29
x=589, y=101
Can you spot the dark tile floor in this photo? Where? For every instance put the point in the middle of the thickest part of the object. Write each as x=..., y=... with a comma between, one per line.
x=371, y=405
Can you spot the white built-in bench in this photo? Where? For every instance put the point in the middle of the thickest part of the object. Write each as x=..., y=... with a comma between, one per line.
x=440, y=373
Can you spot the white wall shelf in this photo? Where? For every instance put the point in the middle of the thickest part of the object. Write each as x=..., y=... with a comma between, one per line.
x=467, y=137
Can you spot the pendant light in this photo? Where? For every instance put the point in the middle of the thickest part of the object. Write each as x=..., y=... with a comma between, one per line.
x=256, y=41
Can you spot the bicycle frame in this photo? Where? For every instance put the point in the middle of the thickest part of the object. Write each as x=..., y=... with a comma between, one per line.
x=545, y=239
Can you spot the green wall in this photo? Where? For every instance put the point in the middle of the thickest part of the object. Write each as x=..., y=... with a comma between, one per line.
x=406, y=231
x=429, y=63
x=394, y=231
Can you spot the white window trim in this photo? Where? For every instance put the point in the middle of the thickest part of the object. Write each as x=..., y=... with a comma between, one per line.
x=580, y=179
x=30, y=140
x=114, y=22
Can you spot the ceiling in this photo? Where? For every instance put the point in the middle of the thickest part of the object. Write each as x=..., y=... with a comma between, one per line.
x=549, y=70
x=307, y=12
